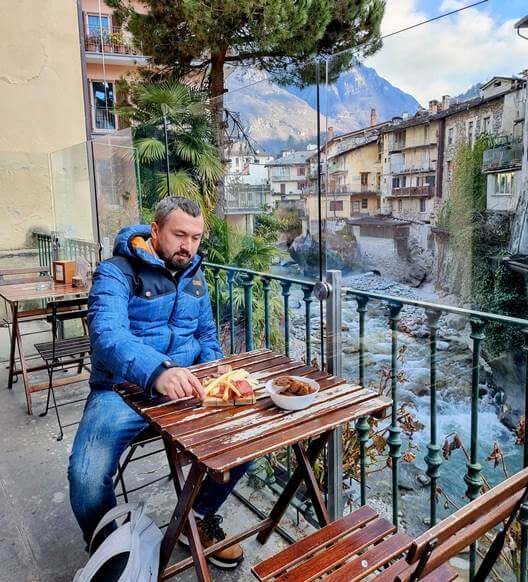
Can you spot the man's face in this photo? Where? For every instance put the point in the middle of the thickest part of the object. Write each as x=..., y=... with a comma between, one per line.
x=177, y=240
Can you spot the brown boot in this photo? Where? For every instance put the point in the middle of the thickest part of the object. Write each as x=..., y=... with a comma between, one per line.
x=210, y=533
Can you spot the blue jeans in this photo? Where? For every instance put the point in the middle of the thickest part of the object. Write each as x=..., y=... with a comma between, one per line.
x=107, y=427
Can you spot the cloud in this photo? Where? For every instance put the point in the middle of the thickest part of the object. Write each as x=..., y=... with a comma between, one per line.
x=449, y=55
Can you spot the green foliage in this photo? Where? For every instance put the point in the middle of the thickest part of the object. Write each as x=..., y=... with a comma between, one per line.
x=226, y=246
x=278, y=36
x=479, y=242
x=192, y=157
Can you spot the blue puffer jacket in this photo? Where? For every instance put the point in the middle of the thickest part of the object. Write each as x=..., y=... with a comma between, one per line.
x=140, y=316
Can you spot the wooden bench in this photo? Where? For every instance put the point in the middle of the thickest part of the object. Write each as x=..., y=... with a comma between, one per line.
x=24, y=275
x=364, y=545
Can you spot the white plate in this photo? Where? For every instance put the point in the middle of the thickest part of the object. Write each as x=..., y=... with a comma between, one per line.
x=292, y=402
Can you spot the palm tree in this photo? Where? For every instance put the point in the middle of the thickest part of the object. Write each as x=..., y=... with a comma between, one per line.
x=174, y=140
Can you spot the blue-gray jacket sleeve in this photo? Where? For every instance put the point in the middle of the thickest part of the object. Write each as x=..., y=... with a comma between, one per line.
x=113, y=343
x=206, y=331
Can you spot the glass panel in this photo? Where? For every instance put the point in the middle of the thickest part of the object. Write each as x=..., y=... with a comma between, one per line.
x=116, y=186
x=425, y=206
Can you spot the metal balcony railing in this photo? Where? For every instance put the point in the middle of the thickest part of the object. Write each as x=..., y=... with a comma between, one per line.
x=111, y=41
x=413, y=191
x=506, y=154
x=224, y=280
x=246, y=199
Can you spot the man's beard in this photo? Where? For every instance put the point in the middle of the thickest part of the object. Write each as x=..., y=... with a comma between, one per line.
x=177, y=260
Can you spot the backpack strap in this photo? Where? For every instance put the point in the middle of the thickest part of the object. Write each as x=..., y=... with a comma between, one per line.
x=118, y=542
x=115, y=513
x=129, y=268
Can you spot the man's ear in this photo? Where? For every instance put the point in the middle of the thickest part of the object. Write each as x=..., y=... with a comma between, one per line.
x=154, y=230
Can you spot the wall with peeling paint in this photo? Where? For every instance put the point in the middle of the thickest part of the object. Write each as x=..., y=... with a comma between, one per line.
x=41, y=109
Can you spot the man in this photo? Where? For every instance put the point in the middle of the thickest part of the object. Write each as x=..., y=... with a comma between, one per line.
x=150, y=318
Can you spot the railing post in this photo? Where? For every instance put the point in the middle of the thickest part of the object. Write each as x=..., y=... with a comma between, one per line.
x=216, y=277
x=307, y=298
x=394, y=441
x=266, y=286
x=335, y=367
x=248, y=309
x=472, y=477
x=362, y=425
x=433, y=457
x=230, y=283
x=286, y=298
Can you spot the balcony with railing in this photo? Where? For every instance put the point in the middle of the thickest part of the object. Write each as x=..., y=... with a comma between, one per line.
x=350, y=475
x=506, y=154
x=424, y=167
x=110, y=41
x=413, y=192
x=246, y=199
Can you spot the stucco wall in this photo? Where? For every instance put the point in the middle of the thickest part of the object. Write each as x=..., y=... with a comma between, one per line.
x=41, y=108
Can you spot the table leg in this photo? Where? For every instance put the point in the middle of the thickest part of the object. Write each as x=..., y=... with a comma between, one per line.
x=200, y=561
x=180, y=517
x=23, y=364
x=278, y=510
x=311, y=484
x=14, y=322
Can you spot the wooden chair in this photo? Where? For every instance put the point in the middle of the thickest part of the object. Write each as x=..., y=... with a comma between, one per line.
x=65, y=353
x=21, y=276
x=145, y=437
x=364, y=546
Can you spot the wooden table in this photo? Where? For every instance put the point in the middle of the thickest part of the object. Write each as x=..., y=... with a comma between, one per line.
x=20, y=293
x=215, y=440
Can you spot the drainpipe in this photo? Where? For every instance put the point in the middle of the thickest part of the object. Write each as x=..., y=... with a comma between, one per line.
x=519, y=236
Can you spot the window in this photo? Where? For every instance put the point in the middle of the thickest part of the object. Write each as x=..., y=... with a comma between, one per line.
x=400, y=205
x=430, y=180
x=336, y=205
x=97, y=24
x=395, y=182
x=300, y=171
x=103, y=105
x=470, y=132
x=283, y=188
x=449, y=171
x=418, y=181
x=504, y=183
x=450, y=133
x=364, y=178
x=355, y=206
x=426, y=133
x=422, y=204
x=486, y=125
x=364, y=203
x=300, y=185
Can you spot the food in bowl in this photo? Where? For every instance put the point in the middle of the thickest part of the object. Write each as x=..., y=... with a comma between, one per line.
x=228, y=387
x=291, y=386
x=292, y=392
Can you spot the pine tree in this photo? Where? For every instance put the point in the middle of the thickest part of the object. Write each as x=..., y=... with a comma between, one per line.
x=200, y=37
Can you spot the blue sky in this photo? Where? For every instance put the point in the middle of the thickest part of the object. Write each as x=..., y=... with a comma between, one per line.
x=450, y=55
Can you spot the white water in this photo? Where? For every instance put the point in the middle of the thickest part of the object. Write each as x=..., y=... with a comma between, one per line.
x=453, y=368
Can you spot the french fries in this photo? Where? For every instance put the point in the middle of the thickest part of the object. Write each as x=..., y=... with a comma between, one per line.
x=223, y=391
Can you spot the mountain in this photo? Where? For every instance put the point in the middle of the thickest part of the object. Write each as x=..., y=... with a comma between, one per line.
x=356, y=92
x=471, y=93
x=273, y=115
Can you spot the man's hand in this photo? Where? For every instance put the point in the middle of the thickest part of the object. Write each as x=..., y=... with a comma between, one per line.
x=178, y=383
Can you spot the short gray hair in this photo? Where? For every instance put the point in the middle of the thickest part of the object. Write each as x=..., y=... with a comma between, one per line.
x=166, y=205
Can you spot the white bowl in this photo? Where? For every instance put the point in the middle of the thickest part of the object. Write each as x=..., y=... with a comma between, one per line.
x=292, y=402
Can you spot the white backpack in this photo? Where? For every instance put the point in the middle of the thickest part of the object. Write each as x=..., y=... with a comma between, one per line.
x=139, y=536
